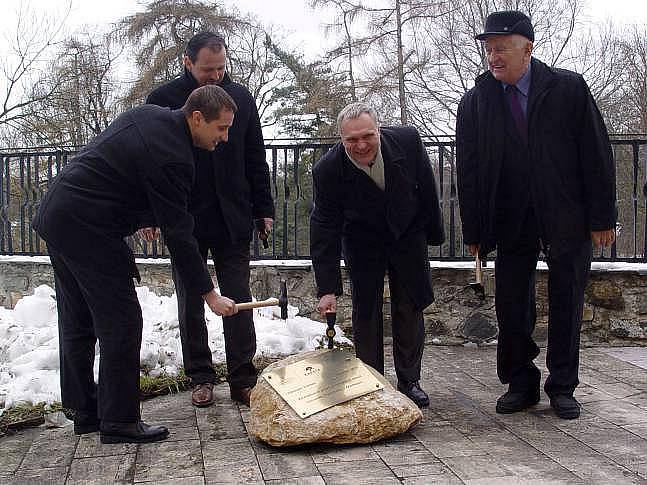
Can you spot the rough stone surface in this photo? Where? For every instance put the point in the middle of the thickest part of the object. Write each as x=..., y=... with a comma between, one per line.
x=611, y=296
x=478, y=328
x=461, y=439
x=605, y=294
x=621, y=328
x=365, y=419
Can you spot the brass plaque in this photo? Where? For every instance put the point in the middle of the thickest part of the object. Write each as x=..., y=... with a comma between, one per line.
x=317, y=383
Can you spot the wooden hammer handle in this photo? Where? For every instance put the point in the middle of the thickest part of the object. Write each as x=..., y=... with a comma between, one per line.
x=479, y=276
x=257, y=304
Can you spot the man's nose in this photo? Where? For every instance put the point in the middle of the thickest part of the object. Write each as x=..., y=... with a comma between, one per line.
x=225, y=136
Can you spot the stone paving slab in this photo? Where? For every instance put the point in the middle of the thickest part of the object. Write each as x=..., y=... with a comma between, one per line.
x=461, y=440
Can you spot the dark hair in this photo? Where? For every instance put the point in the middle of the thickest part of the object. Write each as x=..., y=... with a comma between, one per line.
x=201, y=40
x=209, y=100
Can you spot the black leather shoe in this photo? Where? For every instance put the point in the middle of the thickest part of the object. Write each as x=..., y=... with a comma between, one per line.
x=412, y=391
x=85, y=423
x=138, y=432
x=565, y=406
x=515, y=401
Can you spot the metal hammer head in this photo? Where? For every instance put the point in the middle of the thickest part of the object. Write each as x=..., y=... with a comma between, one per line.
x=283, y=300
x=331, y=319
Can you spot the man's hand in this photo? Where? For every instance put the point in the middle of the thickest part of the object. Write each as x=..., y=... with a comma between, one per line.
x=220, y=305
x=328, y=303
x=269, y=222
x=473, y=249
x=603, y=238
x=149, y=233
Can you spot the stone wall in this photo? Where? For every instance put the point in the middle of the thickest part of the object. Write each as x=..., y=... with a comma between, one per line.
x=615, y=307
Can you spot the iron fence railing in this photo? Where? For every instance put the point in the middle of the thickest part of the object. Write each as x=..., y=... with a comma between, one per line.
x=25, y=176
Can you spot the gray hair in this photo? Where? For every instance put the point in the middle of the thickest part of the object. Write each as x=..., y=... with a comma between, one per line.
x=355, y=110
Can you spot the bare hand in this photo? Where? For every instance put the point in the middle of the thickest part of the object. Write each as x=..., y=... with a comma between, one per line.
x=149, y=233
x=328, y=303
x=269, y=223
x=220, y=305
x=473, y=249
x=603, y=238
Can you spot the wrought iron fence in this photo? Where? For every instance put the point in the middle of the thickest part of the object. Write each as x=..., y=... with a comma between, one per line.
x=25, y=176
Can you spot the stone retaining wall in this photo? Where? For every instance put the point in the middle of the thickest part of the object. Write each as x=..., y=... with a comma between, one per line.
x=615, y=310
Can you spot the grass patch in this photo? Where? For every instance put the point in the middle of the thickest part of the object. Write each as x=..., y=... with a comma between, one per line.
x=26, y=415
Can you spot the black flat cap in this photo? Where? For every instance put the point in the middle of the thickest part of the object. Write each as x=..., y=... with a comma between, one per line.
x=507, y=22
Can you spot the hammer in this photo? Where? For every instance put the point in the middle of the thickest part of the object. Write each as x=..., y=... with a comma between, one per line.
x=477, y=286
x=262, y=233
x=281, y=301
x=331, y=318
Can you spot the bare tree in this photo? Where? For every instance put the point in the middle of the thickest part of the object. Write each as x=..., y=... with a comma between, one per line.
x=80, y=95
x=160, y=34
x=392, y=26
x=346, y=14
x=448, y=59
x=634, y=62
x=255, y=64
x=22, y=69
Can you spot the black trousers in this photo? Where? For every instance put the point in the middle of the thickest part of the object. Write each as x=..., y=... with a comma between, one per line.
x=232, y=271
x=95, y=306
x=368, y=326
x=516, y=313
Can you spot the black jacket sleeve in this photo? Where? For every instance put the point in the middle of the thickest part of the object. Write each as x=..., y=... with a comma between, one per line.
x=596, y=163
x=326, y=223
x=168, y=190
x=467, y=172
x=429, y=193
x=256, y=168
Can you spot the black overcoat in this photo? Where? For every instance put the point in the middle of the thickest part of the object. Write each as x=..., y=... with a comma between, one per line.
x=572, y=173
x=240, y=179
x=141, y=163
x=394, y=225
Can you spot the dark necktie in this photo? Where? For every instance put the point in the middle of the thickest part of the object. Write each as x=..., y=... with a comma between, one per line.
x=517, y=111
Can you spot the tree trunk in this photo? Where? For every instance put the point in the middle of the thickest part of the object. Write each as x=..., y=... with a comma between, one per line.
x=403, y=101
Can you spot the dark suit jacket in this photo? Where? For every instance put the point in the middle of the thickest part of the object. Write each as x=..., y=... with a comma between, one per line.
x=239, y=181
x=143, y=162
x=572, y=173
x=394, y=225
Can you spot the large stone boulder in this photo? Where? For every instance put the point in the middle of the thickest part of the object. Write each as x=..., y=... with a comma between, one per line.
x=365, y=419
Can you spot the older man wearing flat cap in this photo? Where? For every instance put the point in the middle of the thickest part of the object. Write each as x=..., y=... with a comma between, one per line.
x=535, y=175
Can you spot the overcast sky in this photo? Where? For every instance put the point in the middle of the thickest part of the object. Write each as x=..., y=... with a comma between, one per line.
x=303, y=27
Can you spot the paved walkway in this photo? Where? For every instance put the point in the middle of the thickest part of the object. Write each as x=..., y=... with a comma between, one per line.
x=461, y=440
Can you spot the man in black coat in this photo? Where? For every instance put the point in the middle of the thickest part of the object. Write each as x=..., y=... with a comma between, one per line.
x=375, y=200
x=535, y=173
x=142, y=162
x=232, y=188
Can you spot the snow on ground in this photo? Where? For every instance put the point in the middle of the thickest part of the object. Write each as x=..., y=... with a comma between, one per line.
x=29, y=361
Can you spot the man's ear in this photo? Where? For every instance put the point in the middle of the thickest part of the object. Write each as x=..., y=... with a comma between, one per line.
x=196, y=117
x=529, y=47
x=187, y=62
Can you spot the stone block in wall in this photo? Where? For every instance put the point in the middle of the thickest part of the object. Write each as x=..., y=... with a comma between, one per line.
x=642, y=304
x=588, y=314
x=614, y=312
x=605, y=293
x=627, y=329
x=478, y=327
